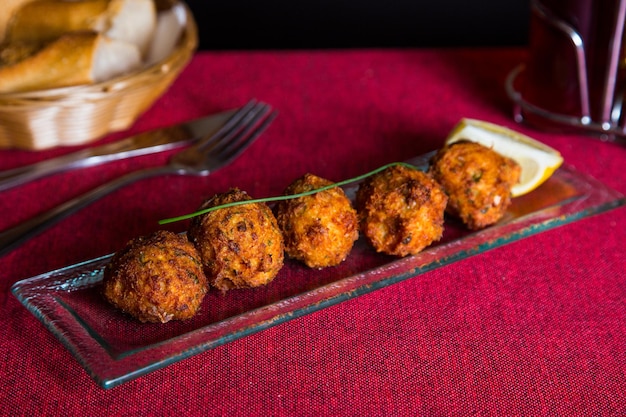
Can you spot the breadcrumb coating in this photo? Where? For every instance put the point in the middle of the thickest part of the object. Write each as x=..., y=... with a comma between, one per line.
x=156, y=278
x=240, y=246
x=319, y=229
x=401, y=210
x=477, y=181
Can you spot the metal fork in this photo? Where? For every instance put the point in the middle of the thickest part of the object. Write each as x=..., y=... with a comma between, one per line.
x=206, y=156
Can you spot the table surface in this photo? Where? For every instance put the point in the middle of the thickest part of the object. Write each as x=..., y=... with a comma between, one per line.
x=536, y=327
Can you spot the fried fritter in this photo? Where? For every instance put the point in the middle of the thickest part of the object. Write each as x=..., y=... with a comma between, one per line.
x=477, y=181
x=319, y=229
x=240, y=246
x=401, y=210
x=156, y=278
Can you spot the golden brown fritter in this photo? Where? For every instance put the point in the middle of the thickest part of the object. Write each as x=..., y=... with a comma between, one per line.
x=318, y=229
x=240, y=246
x=477, y=180
x=401, y=210
x=156, y=278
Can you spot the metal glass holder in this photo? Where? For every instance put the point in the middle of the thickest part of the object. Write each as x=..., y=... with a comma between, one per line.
x=611, y=126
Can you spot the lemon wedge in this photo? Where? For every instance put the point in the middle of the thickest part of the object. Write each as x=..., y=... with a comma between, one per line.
x=537, y=160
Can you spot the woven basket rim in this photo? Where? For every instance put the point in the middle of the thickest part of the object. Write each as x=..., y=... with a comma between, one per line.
x=177, y=58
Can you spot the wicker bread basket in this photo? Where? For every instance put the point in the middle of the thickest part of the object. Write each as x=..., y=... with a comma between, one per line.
x=81, y=114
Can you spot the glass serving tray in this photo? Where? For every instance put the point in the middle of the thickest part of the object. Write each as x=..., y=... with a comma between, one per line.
x=114, y=348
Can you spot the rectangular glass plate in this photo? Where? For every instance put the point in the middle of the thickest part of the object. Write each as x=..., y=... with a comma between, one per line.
x=114, y=348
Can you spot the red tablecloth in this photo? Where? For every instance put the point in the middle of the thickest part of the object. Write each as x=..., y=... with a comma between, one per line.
x=537, y=327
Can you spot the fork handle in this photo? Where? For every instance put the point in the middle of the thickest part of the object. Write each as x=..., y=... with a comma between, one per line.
x=16, y=235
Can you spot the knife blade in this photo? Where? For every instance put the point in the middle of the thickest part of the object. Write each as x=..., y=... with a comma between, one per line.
x=153, y=141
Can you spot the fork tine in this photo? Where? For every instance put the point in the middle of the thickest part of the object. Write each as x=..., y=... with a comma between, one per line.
x=252, y=136
x=193, y=158
x=232, y=124
x=254, y=120
x=246, y=137
x=246, y=117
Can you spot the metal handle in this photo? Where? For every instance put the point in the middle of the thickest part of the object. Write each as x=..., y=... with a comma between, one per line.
x=22, y=175
x=15, y=236
x=153, y=141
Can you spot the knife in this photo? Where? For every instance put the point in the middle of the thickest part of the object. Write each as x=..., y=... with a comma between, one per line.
x=149, y=142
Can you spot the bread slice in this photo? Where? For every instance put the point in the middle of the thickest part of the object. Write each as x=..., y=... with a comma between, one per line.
x=8, y=9
x=131, y=21
x=39, y=21
x=170, y=24
x=73, y=59
x=46, y=20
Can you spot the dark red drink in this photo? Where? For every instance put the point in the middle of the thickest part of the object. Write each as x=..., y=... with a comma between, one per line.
x=572, y=74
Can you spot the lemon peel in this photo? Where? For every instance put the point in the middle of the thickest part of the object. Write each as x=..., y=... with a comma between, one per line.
x=537, y=160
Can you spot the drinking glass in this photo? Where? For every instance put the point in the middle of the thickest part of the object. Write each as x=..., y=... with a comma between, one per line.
x=574, y=77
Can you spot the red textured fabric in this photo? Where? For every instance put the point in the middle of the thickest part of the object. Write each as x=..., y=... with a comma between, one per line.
x=534, y=328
